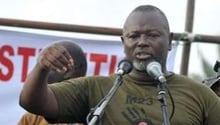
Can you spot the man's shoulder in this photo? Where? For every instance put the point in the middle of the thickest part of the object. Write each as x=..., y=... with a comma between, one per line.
x=186, y=80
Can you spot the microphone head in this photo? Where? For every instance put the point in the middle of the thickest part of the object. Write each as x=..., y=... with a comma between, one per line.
x=154, y=69
x=124, y=67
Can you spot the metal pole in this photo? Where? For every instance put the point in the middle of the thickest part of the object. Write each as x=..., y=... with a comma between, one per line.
x=94, y=29
x=188, y=29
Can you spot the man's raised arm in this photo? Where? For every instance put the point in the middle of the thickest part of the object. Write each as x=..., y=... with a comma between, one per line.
x=36, y=96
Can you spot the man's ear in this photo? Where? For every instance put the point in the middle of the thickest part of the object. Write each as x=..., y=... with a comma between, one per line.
x=170, y=40
x=122, y=39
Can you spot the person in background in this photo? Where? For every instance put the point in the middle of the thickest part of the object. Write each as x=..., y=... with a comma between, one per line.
x=214, y=82
x=146, y=40
x=78, y=70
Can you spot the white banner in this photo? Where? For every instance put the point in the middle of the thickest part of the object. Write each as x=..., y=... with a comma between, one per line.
x=18, y=52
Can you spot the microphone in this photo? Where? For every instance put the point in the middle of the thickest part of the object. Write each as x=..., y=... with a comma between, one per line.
x=124, y=67
x=154, y=70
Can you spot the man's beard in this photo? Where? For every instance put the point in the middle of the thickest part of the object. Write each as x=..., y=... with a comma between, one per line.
x=140, y=65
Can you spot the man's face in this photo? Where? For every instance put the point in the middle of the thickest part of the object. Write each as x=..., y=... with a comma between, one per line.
x=145, y=37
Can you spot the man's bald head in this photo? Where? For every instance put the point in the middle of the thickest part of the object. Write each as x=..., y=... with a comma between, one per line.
x=147, y=9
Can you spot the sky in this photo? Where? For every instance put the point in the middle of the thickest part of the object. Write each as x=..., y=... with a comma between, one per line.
x=112, y=13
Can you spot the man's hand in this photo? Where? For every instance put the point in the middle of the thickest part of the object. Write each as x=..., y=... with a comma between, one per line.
x=55, y=57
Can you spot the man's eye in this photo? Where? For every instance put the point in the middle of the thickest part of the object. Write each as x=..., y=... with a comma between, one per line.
x=133, y=37
x=153, y=35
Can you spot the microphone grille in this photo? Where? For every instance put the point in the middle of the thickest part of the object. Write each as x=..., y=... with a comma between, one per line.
x=153, y=69
x=126, y=65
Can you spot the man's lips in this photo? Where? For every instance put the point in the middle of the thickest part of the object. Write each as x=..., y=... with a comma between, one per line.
x=142, y=55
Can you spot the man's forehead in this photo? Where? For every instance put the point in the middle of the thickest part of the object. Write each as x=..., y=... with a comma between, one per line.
x=152, y=19
x=144, y=16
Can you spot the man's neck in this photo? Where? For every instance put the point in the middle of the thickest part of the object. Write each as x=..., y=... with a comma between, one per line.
x=143, y=76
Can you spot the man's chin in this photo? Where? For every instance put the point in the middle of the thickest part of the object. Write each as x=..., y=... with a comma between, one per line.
x=140, y=66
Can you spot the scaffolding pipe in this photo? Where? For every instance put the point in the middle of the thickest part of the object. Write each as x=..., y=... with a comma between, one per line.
x=95, y=30
x=188, y=29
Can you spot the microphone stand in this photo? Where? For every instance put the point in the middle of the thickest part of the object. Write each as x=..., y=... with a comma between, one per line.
x=162, y=99
x=97, y=112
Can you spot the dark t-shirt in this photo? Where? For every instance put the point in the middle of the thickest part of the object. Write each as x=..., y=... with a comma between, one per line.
x=136, y=102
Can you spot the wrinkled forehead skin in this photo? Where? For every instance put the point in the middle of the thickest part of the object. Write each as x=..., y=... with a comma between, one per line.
x=151, y=19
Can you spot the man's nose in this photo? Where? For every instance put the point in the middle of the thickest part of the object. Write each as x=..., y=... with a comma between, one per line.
x=143, y=40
